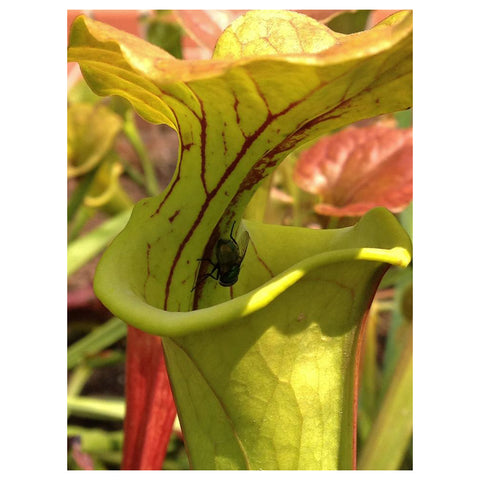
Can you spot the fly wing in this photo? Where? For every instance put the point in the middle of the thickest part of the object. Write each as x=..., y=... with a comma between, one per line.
x=243, y=241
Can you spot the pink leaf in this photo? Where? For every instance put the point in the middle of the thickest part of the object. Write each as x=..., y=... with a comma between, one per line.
x=82, y=459
x=205, y=26
x=357, y=169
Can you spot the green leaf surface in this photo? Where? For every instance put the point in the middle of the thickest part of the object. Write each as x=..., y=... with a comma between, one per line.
x=263, y=372
x=283, y=335
x=275, y=389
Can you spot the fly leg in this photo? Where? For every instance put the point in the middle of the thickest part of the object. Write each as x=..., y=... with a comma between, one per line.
x=206, y=275
x=207, y=260
x=231, y=234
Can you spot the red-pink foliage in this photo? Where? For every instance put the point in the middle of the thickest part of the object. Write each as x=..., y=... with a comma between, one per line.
x=357, y=169
x=150, y=406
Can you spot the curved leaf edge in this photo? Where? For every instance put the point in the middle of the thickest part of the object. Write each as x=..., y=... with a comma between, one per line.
x=131, y=307
x=112, y=42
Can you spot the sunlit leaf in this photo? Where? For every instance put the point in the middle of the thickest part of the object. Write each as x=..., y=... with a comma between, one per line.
x=206, y=26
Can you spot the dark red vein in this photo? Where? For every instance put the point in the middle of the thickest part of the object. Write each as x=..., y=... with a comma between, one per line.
x=182, y=147
x=172, y=218
x=148, y=271
x=246, y=145
x=203, y=145
x=260, y=259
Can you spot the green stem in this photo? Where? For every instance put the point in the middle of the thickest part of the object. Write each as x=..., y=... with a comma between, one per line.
x=76, y=199
x=80, y=251
x=82, y=216
x=397, y=336
x=98, y=339
x=78, y=379
x=133, y=136
x=258, y=204
x=112, y=357
x=368, y=380
x=134, y=174
x=302, y=206
x=87, y=407
x=392, y=429
x=333, y=222
x=302, y=200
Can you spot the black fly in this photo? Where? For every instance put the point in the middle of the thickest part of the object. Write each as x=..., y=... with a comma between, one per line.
x=229, y=259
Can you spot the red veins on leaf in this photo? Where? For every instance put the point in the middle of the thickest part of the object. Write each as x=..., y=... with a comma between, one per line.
x=357, y=169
